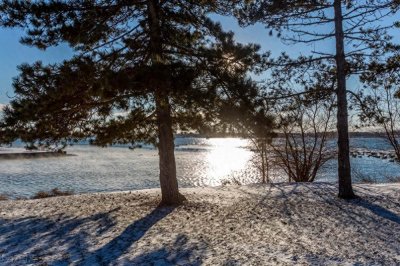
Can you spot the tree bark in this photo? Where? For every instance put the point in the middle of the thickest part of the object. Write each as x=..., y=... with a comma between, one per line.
x=263, y=161
x=168, y=181
x=344, y=170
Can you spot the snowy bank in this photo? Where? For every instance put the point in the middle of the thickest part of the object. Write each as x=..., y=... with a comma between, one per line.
x=256, y=225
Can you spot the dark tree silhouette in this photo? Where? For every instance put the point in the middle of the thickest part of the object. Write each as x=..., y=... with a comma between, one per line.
x=141, y=70
x=354, y=26
x=379, y=102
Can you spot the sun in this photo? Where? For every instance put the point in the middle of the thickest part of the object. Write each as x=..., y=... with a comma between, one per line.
x=232, y=63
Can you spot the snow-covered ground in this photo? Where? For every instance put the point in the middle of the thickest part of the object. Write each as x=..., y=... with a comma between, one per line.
x=252, y=225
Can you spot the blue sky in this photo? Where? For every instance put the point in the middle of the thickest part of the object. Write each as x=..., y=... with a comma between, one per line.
x=12, y=53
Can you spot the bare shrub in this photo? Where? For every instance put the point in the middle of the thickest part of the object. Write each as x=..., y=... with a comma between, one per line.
x=233, y=181
x=3, y=197
x=380, y=107
x=53, y=193
x=262, y=158
x=393, y=179
x=259, y=130
x=306, y=126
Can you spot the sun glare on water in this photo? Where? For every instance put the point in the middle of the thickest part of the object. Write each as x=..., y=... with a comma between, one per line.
x=226, y=156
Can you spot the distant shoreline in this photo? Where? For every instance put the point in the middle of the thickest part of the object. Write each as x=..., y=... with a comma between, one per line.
x=30, y=155
x=278, y=135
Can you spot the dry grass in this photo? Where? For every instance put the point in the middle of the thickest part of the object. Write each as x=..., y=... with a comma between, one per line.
x=3, y=197
x=393, y=179
x=53, y=193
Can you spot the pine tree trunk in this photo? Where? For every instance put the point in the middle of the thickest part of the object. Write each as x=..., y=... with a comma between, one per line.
x=344, y=170
x=168, y=181
x=263, y=161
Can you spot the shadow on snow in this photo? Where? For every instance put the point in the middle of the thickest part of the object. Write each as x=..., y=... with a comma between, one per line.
x=29, y=240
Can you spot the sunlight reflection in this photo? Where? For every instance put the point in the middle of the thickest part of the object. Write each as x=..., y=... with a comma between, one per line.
x=226, y=156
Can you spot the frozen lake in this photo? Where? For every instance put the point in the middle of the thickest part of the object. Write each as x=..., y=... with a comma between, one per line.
x=200, y=162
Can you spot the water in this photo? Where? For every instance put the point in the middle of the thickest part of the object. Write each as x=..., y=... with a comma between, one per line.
x=200, y=162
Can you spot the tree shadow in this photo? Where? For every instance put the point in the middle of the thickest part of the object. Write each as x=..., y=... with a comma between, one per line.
x=28, y=240
x=120, y=244
x=377, y=210
x=182, y=252
x=62, y=240
x=314, y=211
x=364, y=200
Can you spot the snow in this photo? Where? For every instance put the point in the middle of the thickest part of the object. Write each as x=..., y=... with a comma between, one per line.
x=284, y=224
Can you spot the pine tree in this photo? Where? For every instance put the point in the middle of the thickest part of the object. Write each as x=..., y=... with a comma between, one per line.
x=141, y=70
x=356, y=29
